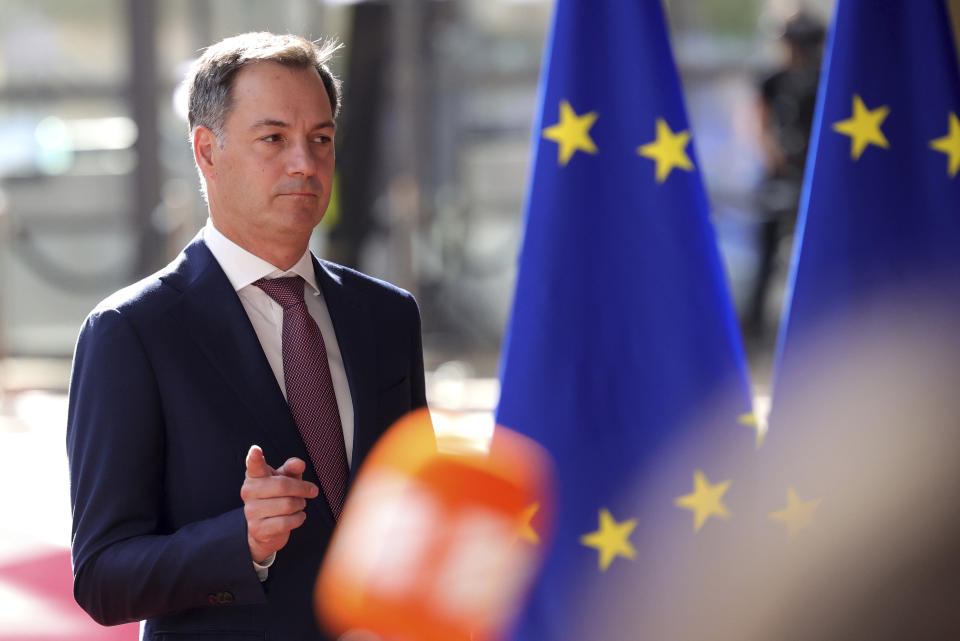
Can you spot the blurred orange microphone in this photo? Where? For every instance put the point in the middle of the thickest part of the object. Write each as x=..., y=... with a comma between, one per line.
x=441, y=536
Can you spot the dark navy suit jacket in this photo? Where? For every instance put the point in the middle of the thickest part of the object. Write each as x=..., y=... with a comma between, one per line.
x=170, y=388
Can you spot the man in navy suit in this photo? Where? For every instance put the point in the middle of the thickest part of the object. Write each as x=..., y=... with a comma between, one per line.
x=181, y=382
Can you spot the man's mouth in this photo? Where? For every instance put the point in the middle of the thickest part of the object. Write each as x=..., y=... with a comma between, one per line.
x=300, y=194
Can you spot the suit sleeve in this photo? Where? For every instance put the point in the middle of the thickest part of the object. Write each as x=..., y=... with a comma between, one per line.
x=127, y=564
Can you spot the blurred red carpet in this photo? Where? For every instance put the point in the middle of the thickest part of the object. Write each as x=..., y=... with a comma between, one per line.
x=36, y=603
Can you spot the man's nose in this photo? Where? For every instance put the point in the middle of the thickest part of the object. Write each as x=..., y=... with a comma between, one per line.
x=301, y=160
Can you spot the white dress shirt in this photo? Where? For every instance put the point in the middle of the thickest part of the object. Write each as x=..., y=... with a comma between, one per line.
x=266, y=315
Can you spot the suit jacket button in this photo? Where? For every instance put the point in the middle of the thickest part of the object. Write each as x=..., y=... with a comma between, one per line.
x=220, y=598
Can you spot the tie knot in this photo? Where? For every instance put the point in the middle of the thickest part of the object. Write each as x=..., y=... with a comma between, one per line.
x=287, y=291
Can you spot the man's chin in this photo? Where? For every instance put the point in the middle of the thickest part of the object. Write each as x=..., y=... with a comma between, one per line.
x=296, y=221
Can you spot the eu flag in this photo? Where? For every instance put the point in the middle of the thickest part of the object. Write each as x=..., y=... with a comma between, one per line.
x=880, y=210
x=861, y=454
x=622, y=341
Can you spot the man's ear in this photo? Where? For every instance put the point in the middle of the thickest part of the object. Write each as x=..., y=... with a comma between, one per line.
x=204, y=149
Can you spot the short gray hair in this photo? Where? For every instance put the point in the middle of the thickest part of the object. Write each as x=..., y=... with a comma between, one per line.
x=210, y=80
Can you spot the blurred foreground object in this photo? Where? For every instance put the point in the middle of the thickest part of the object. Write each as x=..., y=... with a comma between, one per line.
x=860, y=481
x=440, y=537
x=623, y=340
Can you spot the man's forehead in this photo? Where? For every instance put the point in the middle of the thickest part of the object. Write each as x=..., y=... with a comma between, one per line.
x=268, y=91
x=249, y=78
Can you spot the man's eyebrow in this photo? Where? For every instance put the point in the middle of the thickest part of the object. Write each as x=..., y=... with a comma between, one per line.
x=270, y=122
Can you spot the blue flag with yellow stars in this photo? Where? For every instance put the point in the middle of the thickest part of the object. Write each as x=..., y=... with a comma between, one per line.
x=623, y=356
x=881, y=198
x=859, y=464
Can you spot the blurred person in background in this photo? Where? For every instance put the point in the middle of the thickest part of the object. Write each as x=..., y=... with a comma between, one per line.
x=787, y=102
x=245, y=349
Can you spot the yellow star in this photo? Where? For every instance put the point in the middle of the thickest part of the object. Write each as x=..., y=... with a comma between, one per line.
x=705, y=501
x=950, y=145
x=797, y=515
x=752, y=420
x=572, y=133
x=668, y=150
x=611, y=540
x=863, y=127
x=526, y=531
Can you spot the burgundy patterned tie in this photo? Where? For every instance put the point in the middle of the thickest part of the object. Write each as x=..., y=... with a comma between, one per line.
x=310, y=389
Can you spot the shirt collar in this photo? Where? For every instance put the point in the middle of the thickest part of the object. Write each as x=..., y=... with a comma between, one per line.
x=243, y=268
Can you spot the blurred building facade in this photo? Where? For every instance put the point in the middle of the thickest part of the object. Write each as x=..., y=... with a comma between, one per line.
x=98, y=187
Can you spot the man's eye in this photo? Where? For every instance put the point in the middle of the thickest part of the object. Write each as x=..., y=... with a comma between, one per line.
x=322, y=138
x=271, y=138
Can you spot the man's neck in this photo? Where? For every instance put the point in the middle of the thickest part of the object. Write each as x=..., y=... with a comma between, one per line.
x=282, y=255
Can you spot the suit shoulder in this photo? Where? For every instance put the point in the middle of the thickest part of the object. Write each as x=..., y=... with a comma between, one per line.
x=364, y=283
x=148, y=296
x=154, y=293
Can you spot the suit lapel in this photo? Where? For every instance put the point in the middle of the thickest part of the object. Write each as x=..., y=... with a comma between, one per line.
x=354, y=329
x=214, y=319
